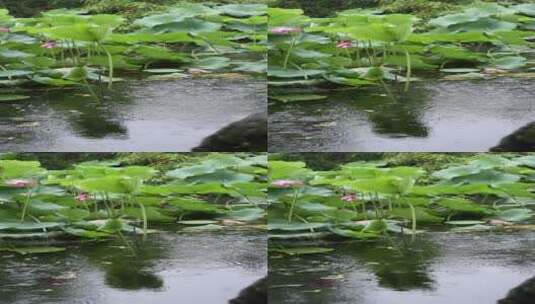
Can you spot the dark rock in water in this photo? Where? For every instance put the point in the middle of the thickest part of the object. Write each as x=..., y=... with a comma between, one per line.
x=522, y=294
x=254, y=294
x=246, y=135
x=522, y=140
x=132, y=279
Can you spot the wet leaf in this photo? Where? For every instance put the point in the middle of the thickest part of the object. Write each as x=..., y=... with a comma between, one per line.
x=203, y=228
x=464, y=223
x=303, y=250
x=297, y=97
x=33, y=250
x=243, y=10
x=11, y=97
x=510, y=62
x=246, y=214
x=295, y=226
x=197, y=222
x=515, y=215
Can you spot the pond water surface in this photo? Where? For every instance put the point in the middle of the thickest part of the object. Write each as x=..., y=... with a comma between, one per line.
x=169, y=268
x=438, y=268
x=159, y=115
x=445, y=116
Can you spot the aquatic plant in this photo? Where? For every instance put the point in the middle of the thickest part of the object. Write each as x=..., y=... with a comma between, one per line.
x=99, y=200
x=367, y=47
x=71, y=47
x=366, y=200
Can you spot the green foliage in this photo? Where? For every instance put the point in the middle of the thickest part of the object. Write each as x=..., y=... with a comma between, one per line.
x=358, y=47
x=101, y=199
x=71, y=47
x=365, y=200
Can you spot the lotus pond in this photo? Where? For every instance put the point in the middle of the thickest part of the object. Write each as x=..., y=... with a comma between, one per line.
x=364, y=80
x=434, y=115
x=102, y=231
x=135, y=116
x=373, y=232
x=121, y=75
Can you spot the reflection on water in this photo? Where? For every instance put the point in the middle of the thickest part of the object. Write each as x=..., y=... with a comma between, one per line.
x=432, y=116
x=168, y=268
x=437, y=268
x=163, y=115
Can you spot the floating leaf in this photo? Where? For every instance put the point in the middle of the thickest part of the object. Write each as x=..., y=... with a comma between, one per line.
x=294, y=226
x=213, y=63
x=203, y=228
x=515, y=215
x=33, y=250
x=297, y=97
x=510, y=62
x=302, y=250
x=197, y=222
x=293, y=73
x=246, y=214
x=11, y=97
x=464, y=223
x=243, y=10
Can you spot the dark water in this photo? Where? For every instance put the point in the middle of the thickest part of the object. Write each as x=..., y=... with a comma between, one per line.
x=325, y=8
x=135, y=116
x=437, y=268
x=456, y=116
x=170, y=268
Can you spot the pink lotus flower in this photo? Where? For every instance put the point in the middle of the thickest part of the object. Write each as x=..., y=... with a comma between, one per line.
x=285, y=30
x=20, y=183
x=284, y=183
x=344, y=44
x=349, y=198
x=83, y=197
x=5, y=30
x=49, y=45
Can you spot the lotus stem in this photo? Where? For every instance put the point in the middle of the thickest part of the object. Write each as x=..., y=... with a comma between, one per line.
x=358, y=52
x=292, y=205
x=125, y=241
x=78, y=52
x=409, y=71
x=26, y=204
x=254, y=34
x=8, y=74
x=388, y=92
x=290, y=49
x=91, y=91
x=210, y=45
x=413, y=215
x=62, y=56
x=348, y=55
x=110, y=64
x=369, y=55
x=144, y=215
